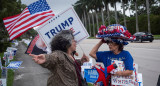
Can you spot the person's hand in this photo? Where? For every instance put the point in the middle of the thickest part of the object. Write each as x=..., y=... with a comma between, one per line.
x=84, y=58
x=76, y=54
x=102, y=40
x=39, y=59
x=119, y=73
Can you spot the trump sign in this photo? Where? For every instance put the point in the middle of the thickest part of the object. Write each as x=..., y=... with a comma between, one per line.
x=68, y=19
x=14, y=64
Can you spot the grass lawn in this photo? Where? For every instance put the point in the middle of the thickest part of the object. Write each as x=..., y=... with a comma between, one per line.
x=156, y=36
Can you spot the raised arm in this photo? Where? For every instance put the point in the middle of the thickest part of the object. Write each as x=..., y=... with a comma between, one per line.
x=46, y=60
x=39, y=59
x=95, y=49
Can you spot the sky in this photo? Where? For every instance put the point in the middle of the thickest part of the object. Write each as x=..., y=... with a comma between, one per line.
x=60, y=5
x=56, y=5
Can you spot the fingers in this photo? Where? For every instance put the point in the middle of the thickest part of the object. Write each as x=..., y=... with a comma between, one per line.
x=35, y=60
x=32, y=55
x=85, y=58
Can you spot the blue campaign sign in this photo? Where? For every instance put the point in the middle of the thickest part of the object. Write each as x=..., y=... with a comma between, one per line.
x=91, y=75
x=14, y=64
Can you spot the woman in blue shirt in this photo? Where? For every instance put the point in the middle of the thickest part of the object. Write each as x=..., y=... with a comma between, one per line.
x=116, y=53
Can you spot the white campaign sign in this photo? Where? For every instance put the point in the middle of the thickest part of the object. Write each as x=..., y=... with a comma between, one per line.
x=3, y=82
x=125, y=80
x=68, y=19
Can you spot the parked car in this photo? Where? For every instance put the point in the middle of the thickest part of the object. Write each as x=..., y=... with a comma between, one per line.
x=143, y=36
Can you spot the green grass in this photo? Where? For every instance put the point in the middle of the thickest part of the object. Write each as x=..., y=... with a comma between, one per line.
x=92, y=38
x=156, y=36
x=89, y=84
x=10, y=77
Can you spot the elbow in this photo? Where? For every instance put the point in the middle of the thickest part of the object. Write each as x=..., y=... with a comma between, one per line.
x=91, y=54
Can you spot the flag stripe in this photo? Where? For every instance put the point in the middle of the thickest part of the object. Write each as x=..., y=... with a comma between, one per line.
x=25, y=22
x=18, y=34
x=16, y=21
x=23, y=15
x=30, y=25
x=29, y=20
x=16, y=16
x=10, y=18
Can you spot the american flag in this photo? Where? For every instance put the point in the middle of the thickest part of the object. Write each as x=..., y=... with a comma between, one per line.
x=33, y=15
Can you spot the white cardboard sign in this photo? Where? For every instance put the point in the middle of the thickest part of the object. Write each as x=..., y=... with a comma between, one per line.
x=3, y=82
x=68, y=19
x=125, y=80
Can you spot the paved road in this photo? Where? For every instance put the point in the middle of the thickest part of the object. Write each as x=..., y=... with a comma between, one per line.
x=146, y=55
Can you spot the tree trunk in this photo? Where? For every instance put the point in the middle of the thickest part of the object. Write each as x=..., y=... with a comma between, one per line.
x=102, y=17
x=108, y=15
x=93, y=24
x=115, y=13
x=148, y=14
x=124, y=14
x=89, y=24
x=97, y=22
x=137, y=29
x=85, y=20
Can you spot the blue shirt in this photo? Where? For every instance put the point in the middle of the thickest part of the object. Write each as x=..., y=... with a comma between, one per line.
x=106, y=58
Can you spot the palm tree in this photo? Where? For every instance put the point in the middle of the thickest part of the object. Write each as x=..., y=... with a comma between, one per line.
x=113, y=4
x=81, y=8
x=102, y=17
x=106, y=3
x=89, y=24
x=147, y=4
x=135, y=2
x=97, y=6
x=123, y=3
x=93, y=23
x=78, y=6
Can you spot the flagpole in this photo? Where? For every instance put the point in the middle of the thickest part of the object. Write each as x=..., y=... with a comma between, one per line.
x=81, y=48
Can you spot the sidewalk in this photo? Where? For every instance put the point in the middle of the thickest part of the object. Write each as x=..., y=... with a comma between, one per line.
x=30, y=73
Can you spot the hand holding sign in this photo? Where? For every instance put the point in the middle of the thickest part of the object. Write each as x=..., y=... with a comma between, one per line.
x=84, y=58
x=40, y=59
